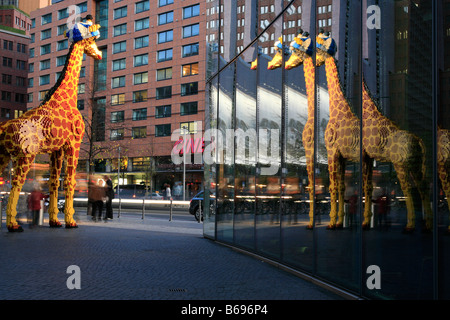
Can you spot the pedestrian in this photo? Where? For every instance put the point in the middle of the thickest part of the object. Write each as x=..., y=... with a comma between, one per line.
x=97, y=196
x=109, y=192
x=34, y=204
x=168, y=193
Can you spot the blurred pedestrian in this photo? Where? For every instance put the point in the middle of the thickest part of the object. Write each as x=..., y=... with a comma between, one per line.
x=34, y=204
x=109, y=192
x=168, y=194
x=97, y=197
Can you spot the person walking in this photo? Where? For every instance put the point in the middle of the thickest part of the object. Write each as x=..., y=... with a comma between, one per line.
x=109, y=192
x=97, y=196
x=34, y=204
x=168, y=194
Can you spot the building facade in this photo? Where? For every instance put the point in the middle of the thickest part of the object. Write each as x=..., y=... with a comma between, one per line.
x=327, y=154
x=14, y=50
x=149, y=84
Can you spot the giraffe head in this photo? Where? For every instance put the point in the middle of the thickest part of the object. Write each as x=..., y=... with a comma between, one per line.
x=325, y=47
x=277, y=60
x=301, y=49
x=90, y=48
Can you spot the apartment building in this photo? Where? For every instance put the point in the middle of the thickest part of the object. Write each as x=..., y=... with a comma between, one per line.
x=149, y=83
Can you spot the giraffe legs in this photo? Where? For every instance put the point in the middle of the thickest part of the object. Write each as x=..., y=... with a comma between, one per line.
x=56, y=165
x=21, y=168
x=406, y=188
x=445, y=181
x=69, y=186
x=368, y=191
x=341, y=193
x=333, y=163
x=310, y=170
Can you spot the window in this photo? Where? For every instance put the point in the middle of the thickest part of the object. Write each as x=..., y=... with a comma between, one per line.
x=32, y=37
x=163, y=111
x=140, y=114
x=191, y=11
x=118, y=82
x=165, y=2
x=141, y=42
x=45, y=79
x=81, y=88
x=120, y=12
x=162, y=130
x=117, y=134
x=31, y=67
x=165, y=55
x=7, y=45
x=80, y=104
x=142, y=6
x=31, y=53
x=45, y=64
x=141, y=24
x=63, y=13
x=191, y=126
x=163, y=92
x=117, y=116
x=21, y=65
x=46, y=19
x=6, y=78
x=188, y=108
x=166, y=17
x=189, y=88
x=140, y=96
x=82, y=7
x=120, y=30
x=42, y=94
x=30, y=82
x=190, y=50
x=191, y=31
x=120, y=47
x=6, y=96
x=165, y=36
x=119, y=64
x=190, y=69
x=139, y=132
x=62, y=45
x=60, y=30
x=60, y=61
x=140, y=78
x=82, y=72
x=141, y=60
x=117, y=99
x=164, y=74
x=20, y=81
x=7, y=62
x=45, y=49
x=46, y=34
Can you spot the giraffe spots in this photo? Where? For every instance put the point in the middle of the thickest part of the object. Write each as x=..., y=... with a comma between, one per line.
x=62, y=113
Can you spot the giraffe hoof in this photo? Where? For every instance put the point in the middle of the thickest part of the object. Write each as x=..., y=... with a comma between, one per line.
x=309, y=227
x=331, y=227
x=339, y=226
x=72, y=225
x=15, y=228
x=55, y=224
x=366, y=226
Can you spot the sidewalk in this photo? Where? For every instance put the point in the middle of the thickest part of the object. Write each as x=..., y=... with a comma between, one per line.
x=129, y=258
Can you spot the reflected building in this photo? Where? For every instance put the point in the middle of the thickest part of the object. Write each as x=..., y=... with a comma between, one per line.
x=258, y=186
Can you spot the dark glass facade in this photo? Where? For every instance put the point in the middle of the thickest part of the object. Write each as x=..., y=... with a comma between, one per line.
x=327, y=142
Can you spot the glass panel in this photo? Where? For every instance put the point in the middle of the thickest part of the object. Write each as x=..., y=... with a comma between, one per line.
x=443, y=144
x=397, y=134
x=338, y=142
x=269, y=99
x=298, y=180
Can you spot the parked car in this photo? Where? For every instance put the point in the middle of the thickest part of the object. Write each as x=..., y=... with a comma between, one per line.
x=156, y=196
x=194, y=206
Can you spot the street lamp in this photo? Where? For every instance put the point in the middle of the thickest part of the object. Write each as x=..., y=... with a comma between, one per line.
x=184, y=162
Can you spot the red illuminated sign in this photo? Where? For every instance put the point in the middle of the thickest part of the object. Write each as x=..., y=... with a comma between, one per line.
x=192, y=145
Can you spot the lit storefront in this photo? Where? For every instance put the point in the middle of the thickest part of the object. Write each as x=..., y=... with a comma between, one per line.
x=344, y=102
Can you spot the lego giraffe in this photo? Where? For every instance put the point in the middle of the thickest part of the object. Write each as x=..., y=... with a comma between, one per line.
x=55, y=127
x=443, y=162
x=342, y=136
x=302, y=54
x=385, y=141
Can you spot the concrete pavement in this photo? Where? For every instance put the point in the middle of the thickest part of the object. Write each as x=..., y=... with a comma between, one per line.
x=130, y=258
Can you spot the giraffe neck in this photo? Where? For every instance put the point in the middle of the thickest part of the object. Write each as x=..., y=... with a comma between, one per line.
x=309, y=70
x=66, y=88
x=334, y=88
x=370, y=110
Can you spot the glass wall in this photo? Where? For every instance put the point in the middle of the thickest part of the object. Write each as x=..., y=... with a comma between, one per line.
x=328, y=141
